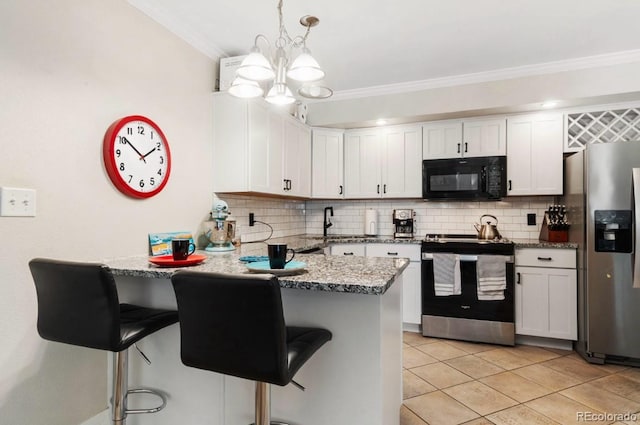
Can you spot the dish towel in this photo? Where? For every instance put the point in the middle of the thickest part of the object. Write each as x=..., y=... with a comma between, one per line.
x=446, y=275
x=492, y=277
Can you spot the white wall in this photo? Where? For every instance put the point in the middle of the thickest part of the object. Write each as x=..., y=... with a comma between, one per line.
x=68, y=69
x=597, y=85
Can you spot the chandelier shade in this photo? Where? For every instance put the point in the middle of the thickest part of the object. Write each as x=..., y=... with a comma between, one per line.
x=278, y=65
x=305, y=68
x=246, y=89
x=256, y=67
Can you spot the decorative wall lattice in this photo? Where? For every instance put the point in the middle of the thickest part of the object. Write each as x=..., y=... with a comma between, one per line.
x=584, y=128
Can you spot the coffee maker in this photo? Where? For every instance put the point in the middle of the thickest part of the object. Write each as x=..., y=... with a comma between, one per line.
x=403, y=223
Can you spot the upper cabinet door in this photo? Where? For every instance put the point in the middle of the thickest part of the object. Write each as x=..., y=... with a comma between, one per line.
x=484, y=137
x=442, y=140
x=296, y=175
x=534, y=159
x=327, y=164
x=402, y=162
x=362, y=159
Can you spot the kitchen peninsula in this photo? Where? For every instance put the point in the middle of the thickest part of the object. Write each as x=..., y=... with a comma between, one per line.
x=356, y=378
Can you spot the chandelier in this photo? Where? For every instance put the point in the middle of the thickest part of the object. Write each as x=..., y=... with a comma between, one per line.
x=256, y=68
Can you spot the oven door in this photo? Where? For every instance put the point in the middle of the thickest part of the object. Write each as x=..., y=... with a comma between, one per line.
x=467, y=305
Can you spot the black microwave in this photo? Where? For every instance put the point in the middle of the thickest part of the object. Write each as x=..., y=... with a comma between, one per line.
x=479, y=178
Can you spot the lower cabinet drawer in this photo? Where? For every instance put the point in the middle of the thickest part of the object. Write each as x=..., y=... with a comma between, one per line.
x=546, y=257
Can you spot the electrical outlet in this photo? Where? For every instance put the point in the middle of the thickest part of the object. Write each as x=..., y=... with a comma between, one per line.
x=531, y=219
x=252, y=219
x=16, y=202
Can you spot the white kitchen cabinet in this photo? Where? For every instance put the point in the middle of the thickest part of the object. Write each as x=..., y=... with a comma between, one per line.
x=534, y=154
x=546, y=293
x=401, y=162
x=464, y=138
x=383, y=163
x=296, y=177
x=411, y=277
x=327, y=181
x=355, y=249
x=258, y=149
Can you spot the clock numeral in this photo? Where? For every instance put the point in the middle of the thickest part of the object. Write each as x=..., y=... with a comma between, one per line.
x=121, y=166
x=158, y=145
x=129, y=130
x=152, y=181
x=140, y=129
x=130, y=178
x=151, y=134
x=141, y=184
x=122, y=140
x=159, y=171
x=162, y=160
x=118, y=153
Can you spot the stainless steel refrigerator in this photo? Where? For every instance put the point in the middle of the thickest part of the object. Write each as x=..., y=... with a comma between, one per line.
x=602, y=194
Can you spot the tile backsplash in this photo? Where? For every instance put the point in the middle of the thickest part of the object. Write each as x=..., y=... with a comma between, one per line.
x=294, y=217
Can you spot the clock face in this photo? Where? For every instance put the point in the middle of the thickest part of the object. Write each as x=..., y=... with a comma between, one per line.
x=136, y=156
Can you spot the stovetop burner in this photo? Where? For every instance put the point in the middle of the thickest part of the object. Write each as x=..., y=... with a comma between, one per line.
x=466, y=244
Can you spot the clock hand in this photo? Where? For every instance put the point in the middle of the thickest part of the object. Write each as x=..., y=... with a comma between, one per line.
x=147, y=154
x=134, y=148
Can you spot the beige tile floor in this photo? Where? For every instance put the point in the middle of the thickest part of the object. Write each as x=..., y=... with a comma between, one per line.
x=449, y=382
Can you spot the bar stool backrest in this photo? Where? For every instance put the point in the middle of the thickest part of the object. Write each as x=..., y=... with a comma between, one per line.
x=77, y=303
x=232, y=324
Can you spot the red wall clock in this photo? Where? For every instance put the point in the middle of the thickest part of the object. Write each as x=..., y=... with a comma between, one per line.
x=136, y=156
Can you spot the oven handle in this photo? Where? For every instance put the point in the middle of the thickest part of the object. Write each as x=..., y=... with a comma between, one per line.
x=428, y=256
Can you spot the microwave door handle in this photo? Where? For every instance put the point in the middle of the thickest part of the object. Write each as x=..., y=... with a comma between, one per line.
x=483, y=176
x=636, y=219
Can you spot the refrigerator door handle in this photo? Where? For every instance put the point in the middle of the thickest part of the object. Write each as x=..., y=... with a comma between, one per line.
x=636, y=219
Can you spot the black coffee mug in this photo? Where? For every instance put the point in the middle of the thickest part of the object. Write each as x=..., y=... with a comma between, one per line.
x=181, y=249
x=278, y=255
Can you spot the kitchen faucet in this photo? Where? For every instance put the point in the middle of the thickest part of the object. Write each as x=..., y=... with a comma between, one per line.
x=326, y=224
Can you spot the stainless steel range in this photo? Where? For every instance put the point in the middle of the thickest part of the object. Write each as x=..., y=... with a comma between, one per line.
x=468, y=288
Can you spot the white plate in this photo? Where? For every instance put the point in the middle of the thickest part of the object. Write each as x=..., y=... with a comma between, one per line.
x=291, y=267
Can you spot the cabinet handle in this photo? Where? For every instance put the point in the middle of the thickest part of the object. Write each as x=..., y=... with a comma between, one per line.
x=466, y=145
x=340, y=193
x=378, y=190
x=347, y=253
x=545, y=258
x=392, y=253
x=509, y=184
x=285, y=184
x=458, y=147
x=288, y=184
x=518, y=278
x=384, y=188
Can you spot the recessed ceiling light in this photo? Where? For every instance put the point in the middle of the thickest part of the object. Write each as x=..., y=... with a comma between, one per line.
x=550, y=104
x=380, y=121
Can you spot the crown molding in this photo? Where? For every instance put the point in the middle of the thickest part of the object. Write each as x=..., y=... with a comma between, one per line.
x=193, y=38
x=608, y=59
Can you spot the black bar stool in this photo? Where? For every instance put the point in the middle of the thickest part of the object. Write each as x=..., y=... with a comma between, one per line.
x=234, y=324
x=78, y=305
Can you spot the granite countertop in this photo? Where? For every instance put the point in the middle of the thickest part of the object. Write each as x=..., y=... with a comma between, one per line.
x=361, y=275
x=337, y=239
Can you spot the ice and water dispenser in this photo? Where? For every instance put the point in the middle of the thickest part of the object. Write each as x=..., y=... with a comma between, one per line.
x=613, y=231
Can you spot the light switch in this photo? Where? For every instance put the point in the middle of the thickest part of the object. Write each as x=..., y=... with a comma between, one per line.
x=16, y=202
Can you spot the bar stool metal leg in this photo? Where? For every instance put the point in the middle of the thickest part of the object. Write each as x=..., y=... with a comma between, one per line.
x=120, y=379
x=263, y=405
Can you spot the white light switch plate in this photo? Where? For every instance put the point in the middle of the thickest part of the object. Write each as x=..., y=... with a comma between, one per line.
x=16, y=202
